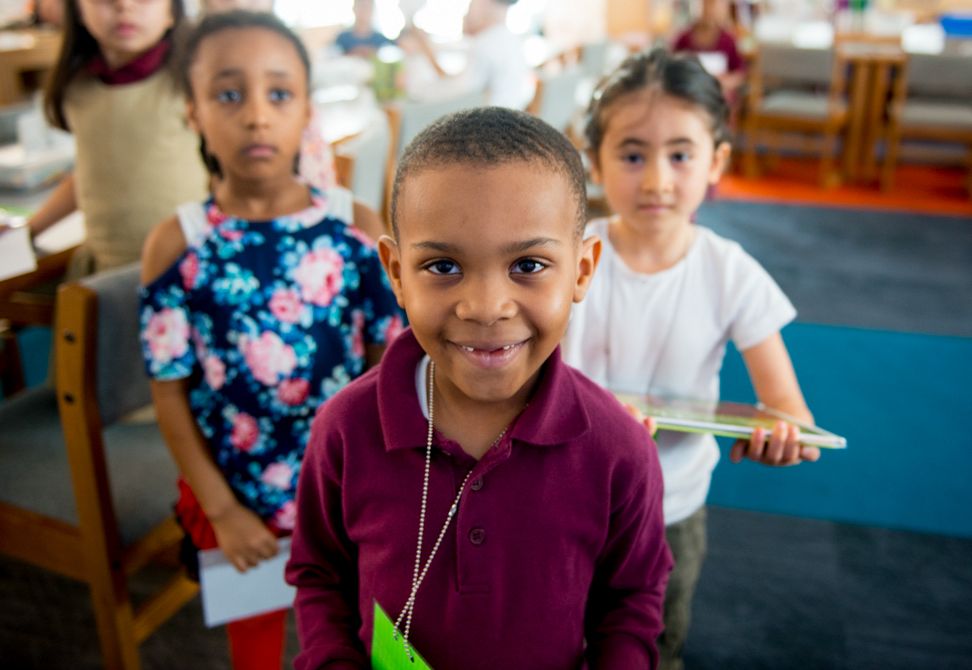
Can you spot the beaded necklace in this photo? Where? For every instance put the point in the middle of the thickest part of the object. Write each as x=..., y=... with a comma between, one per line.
x=419, y=572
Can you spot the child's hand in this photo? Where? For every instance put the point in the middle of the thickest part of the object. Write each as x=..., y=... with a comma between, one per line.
x=647, y=421
x=782, y=448
x=243, y=537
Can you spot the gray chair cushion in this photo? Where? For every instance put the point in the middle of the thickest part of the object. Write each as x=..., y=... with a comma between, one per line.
x=940, y=114
x=797, y=104
x=34, y=471
x=789, y=63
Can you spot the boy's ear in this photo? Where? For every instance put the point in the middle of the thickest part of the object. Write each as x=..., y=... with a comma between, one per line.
x=720, y=161
x=392, y=262
x=587, y=260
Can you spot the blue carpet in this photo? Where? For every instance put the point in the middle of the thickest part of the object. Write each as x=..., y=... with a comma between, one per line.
x=903, y=402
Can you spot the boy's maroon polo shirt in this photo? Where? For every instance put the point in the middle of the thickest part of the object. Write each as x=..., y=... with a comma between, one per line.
x=558, y=544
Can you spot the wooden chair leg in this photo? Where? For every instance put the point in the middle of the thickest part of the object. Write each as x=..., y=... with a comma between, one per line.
x=750, y=166
x=116, y=630
x=829, y=177
x=892, y=144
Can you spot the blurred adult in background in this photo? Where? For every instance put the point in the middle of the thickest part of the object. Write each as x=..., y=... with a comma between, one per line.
x=496, y=62
x=361, y=39
x=711, y=37
x=214, y=6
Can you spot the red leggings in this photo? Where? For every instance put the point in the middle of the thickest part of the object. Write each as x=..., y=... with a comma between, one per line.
x=256, y=643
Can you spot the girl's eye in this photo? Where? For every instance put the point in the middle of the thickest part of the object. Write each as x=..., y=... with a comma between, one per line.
x=280, y=95
x=528, y=266
x=229, y=95
x=443, y=267
x=632, y=159
x=680, y=157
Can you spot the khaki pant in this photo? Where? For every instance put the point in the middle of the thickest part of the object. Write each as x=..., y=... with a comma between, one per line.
x=686, y=539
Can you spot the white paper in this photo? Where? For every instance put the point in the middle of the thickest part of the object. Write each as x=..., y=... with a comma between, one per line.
x=66, y=233
x=228, y=595
x=16, y=254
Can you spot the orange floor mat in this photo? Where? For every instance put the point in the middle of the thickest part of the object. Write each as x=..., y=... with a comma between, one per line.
x=923, y=189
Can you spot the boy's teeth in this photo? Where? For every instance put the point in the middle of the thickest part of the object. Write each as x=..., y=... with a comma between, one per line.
x=465, y=348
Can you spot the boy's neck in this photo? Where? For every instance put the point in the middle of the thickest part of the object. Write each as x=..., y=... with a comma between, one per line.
x=473, y=424
x=261, y=200
x=650, y=251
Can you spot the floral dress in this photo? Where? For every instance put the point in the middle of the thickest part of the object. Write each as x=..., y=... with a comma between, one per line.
x=266, y=320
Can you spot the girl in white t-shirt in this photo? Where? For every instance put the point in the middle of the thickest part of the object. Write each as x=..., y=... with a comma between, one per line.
x=670, y=294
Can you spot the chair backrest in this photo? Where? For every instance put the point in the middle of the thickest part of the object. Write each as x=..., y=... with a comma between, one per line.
x=556, y=100
x=368, y=152
x=407, y=119
x=801, y=66
x=112, y=365
x=946, y=76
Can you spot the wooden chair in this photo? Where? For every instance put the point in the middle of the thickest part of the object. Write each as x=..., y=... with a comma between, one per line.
x=796, y=90
x=361, y=160
x=85, y=491
x=407, y=119
x=932, y=100
x=556, y=98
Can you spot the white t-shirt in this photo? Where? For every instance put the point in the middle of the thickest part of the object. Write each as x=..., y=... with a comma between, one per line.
x=667, y=332
x=497, y=64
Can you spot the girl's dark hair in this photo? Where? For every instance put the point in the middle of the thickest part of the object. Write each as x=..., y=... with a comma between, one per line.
x=679, y=75
x=78, y=47
x=488, y=137
x=234, y=20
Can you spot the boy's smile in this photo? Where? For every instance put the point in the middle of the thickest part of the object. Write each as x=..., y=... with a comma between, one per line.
x=487, y=264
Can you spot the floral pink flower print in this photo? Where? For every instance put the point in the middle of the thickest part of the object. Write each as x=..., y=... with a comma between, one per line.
x=285, y=304
x=293, y=391
x=189, y=270
x=357, y=234
x=286, y=516
x=357, y=333
x=168, y=335
x=268, y=357
x=215, y=372
x=393, y=329
x=278, y=475
x=246, y=432
x=320, y=276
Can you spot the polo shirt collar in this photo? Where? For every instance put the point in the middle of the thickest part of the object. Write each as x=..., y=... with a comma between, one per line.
x=554, y=416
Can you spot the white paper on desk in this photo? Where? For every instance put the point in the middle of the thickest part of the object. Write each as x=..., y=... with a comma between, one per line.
x=66, y=233
x=16, y=254
x=228, y=595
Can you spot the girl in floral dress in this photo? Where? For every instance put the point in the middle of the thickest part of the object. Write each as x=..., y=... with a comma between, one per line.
x=257, y=305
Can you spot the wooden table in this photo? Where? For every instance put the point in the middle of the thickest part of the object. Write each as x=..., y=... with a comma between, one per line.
x=873, y=68
x=23, y=54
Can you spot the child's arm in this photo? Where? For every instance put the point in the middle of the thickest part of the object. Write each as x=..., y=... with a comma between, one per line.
x=624, y=612
x=776, y=386
x=240, y=533
x=323, y=561
x=59, y=203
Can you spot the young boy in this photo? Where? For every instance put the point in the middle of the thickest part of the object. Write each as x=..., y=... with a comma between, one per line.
x=554, y=553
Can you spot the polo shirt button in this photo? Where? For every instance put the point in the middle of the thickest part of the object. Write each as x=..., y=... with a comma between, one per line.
x=477, y=536
x=476, y=484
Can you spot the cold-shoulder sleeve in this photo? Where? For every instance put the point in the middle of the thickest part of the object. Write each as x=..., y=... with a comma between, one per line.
x=383, y=318
x=165, y=325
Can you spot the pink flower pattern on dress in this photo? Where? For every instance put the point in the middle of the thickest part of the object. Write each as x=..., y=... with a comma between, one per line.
x=357, y=333
x=167, y=334
x=215, y=372
x=278, y=475
x=394, y=328
x=320, y=275
x=293, y=391
x=189, y=269
x=268, y=357
x=286, y=516
x=285, y=304
x=245, y=433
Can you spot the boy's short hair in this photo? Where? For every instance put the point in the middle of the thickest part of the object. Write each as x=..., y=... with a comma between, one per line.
x=490, y=137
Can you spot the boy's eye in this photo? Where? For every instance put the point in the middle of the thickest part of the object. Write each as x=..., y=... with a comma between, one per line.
x=280, y=95
x=230, y=95
x=528, y=266
x=443, y=267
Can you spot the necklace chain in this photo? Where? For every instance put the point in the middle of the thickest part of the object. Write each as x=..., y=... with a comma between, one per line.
x=419, y=572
